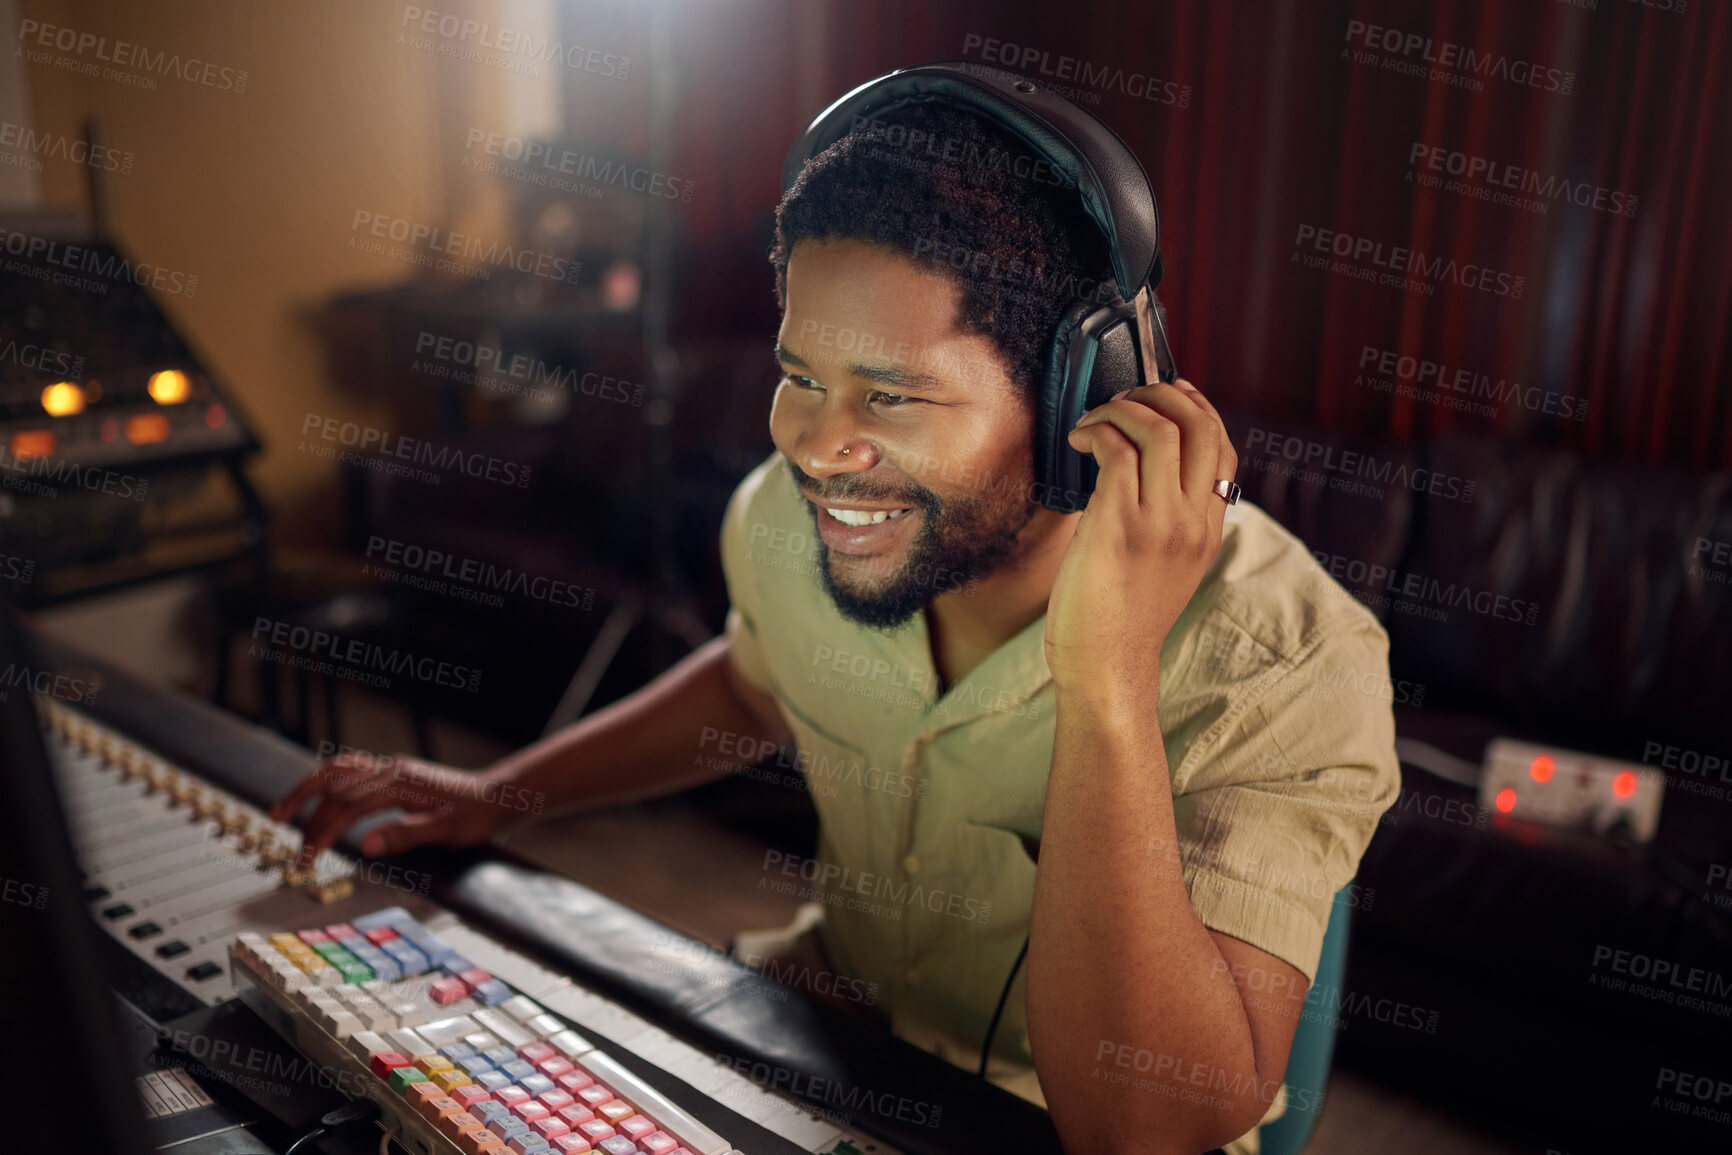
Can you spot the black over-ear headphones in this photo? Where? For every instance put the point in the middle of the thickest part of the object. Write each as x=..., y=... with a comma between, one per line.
x=1098, y=348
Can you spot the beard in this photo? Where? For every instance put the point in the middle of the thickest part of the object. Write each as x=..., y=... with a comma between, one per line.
x=960, y=539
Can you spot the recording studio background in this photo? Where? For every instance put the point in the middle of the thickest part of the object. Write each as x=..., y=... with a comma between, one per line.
x=1482, y=242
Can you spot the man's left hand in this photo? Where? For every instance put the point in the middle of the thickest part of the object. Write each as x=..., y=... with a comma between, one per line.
x=1151, y=529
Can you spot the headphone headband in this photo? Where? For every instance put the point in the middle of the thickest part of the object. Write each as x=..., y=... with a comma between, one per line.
x=1115, y=190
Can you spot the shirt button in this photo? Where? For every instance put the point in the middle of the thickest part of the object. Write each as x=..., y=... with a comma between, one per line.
x=911, y=864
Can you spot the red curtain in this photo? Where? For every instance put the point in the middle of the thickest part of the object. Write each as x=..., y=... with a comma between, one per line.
x=1277, y=118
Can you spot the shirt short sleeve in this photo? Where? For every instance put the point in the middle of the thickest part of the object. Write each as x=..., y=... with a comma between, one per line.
x=738, y=569
x=1282, y=806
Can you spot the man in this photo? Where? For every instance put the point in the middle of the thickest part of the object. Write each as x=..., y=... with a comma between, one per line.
x=1155, y=699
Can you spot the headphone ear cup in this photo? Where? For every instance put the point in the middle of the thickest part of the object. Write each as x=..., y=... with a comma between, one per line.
x=1092, y=355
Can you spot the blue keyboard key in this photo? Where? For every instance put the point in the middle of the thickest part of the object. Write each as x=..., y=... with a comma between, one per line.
x=439, y=952
x=536, y=1084
x=488, y=1109
x=508, y=1127
x=535, y=1144
x=617, y=1145
x=517, y=1069
x=455, y=965
x=391, y=916
x=491, y=993
x=474, y=1066
x=385, y=967
x=407, y=956
x=499, y=1054
x=492, y=1080
x=456, y=1052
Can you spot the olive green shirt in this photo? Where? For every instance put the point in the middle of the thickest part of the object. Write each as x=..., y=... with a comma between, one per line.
x=1275, y=705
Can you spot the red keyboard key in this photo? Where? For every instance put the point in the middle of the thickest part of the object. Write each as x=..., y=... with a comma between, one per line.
x=634, y=1127
x=474, y=977
x=447, y=991
x=551, y=1127
x=575, y=1081
x=381, y=1063
x=380, y=935
x=556, y=1100
x=533, y=1053
x=575, y=1114
x=555, y=1067
x=529, y=1110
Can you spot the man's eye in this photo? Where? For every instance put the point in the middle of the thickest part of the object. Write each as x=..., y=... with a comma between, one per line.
x=893, y=399
x=800, y=382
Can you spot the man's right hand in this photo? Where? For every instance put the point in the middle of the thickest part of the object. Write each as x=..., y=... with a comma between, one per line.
x=445, y=806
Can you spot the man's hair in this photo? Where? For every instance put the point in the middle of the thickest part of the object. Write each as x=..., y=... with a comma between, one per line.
x=960, y=197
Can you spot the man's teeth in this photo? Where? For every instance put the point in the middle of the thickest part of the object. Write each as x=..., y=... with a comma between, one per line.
x=859, y=517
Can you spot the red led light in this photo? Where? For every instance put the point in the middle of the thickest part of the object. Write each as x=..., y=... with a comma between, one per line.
x=110, y=429
x=1506, y=799
x=1624, y=784
x=1542, y=768
x=214, y=417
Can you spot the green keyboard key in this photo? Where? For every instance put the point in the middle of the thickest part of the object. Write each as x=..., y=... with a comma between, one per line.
x=401, y=1077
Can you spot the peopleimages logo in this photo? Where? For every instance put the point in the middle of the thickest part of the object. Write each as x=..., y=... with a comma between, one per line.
x=1486, y=179
x=1414, y=54
x=1439, y=383
x=1392, y=265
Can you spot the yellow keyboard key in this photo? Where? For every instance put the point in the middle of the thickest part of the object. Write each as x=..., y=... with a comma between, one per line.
x=450, y=1080
x=432, y=1064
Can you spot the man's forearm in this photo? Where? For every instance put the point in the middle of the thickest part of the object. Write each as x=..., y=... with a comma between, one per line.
x=1118, y=958
x=687, y=727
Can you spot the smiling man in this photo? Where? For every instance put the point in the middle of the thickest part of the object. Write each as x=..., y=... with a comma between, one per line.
x=1109, y=768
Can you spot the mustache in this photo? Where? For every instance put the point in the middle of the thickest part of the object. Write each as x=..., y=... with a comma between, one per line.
x=853, y=487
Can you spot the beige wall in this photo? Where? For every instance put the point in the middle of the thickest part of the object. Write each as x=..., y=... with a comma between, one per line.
x=255, y=193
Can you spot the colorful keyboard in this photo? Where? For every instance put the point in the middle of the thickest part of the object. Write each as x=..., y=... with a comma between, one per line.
x=458, y=1060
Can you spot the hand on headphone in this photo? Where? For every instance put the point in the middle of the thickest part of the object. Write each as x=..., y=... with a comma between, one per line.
x=1150, y=532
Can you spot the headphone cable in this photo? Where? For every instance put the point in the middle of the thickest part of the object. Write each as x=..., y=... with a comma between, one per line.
x=1003, y=997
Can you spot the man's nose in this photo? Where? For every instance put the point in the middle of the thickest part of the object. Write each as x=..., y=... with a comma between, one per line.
x=832, y=442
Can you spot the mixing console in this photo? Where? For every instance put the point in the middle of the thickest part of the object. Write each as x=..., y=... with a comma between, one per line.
x=199, y=885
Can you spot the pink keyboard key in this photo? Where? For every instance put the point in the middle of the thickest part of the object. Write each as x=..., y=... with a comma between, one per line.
x=380, y=935
x=635, y=1127
x=340, y=931
x=575, y=1114
x=512, y=1095
x=595, y=1130
x=447, y=991
x=471, y=1095
x=551, y=1127
x=575, y=1081
x=595, y=1094
x=533, y=1053
x=556, y=1101
x=313, y=936
x=474, y=977
x=658, y=1143
x=555, y=1067
x=529, y=1110
x=569, y=1144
